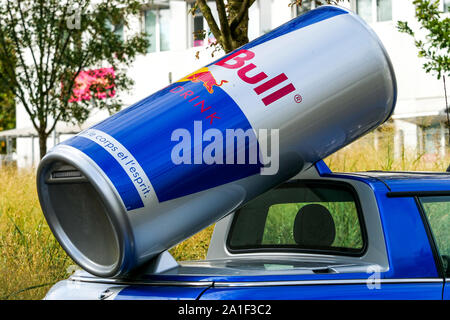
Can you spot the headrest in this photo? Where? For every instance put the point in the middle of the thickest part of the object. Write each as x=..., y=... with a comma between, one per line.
x=314, y=226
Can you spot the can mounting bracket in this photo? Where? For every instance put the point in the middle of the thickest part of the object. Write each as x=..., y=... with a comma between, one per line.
x=161, y=263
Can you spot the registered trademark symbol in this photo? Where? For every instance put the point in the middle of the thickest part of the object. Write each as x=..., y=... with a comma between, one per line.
x=298, y=98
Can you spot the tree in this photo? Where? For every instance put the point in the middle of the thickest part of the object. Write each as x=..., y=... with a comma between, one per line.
x=434, y=45
x=7, y=109
x=7, y=114
x=232, y=30
x=51, y=43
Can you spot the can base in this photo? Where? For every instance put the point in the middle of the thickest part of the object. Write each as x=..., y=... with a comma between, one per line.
x=76, y=210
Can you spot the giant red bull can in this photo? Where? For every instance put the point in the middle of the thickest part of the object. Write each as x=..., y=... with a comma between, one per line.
x=118, y=194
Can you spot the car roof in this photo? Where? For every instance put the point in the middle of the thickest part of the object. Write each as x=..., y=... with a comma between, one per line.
x=404, y=181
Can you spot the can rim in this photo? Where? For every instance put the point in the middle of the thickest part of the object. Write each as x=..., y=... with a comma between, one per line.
x=115, y=210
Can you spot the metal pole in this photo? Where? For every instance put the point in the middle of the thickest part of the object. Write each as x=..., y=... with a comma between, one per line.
x=8, y=145
x=32, y=150
x=54, y=137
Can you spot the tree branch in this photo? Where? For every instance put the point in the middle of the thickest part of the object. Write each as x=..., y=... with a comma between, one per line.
x=50, y=83
x=240, y=15
x=207, y=14
x=19, y=53
x=27, y=36
x=55, y=121
x=66, y=98
x=49, y=46
x=9, y=67
x=20, y=95
x=224, y=26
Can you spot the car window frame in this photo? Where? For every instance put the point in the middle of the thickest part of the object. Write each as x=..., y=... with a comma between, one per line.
x=430, y=234
x=337, y=252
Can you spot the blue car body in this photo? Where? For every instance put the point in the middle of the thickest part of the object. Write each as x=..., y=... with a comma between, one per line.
x=400, y=261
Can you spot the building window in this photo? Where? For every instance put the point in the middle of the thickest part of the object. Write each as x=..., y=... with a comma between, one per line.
x=446, y=5
x=364, y=9
x=306, y=6
x=117, y=29
x=157, y=27
x=384, y=10
x=431, y=137
x=198, y=29
x=374, y=10
x=150, y=29
x=164, y=30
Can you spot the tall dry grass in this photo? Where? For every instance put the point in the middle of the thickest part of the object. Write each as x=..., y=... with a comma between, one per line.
x=30, y=257
x=31, y=260
x=365, y=155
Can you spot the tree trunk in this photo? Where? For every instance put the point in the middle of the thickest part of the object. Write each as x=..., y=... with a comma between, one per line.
x=42, y=144
x=231, y=28
x=239, y=35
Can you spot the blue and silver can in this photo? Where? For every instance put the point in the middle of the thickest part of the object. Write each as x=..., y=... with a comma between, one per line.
x=155, y=173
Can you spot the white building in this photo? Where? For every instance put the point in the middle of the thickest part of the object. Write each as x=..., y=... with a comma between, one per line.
x=419, y=116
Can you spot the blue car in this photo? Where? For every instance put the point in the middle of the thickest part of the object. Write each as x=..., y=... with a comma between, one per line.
x=321, y=235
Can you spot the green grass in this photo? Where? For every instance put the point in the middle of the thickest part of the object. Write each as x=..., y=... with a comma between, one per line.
x=280, y=224
x=438, y=214
x=362, y=155
x=30, y=257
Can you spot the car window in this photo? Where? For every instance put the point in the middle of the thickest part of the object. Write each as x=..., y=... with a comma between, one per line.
x=437, y=211
x=302, y=217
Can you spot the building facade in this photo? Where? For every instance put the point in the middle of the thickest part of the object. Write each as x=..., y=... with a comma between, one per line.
x=176, y=50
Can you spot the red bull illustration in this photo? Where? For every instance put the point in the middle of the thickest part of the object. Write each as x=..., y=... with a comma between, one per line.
x=238, y=60
x=205, y=76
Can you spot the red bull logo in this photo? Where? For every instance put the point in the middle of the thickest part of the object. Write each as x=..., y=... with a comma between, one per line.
x=205, y=76
x=238, y=61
